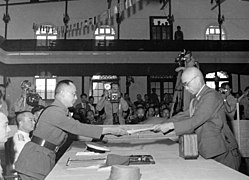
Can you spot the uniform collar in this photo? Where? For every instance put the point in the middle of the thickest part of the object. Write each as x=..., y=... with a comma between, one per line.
x=23, y=133
x=59, y=104
x=200, y=92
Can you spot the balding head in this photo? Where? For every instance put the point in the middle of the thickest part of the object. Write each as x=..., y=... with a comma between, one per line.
x=192, y=79
x=65, y=92
x=26, y=121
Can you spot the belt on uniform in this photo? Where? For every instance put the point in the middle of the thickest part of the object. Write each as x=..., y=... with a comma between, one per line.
x=44, y=143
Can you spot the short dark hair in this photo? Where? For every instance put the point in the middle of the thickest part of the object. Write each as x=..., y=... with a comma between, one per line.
x=223, y=85
x=60, y=85
x=19, y=116
x=83, y=94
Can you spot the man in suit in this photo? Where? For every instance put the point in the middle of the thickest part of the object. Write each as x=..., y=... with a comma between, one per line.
x=37, y=158
x=206, y=117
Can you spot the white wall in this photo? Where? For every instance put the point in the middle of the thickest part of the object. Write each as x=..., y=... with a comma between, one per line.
x=244, y=82
x=192, y=15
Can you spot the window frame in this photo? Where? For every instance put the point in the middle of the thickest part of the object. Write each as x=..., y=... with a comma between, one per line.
x=215, y=36
x=45, y=96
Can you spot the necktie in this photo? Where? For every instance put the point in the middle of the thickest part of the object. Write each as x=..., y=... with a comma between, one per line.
x=192, y=107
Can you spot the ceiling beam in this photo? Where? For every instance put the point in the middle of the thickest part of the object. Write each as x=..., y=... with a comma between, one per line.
x=43, y=1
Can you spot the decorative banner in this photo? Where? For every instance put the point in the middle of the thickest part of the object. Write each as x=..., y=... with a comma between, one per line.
x=84, y=27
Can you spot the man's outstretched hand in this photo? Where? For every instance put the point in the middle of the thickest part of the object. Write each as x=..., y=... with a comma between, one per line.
x=116, y=131
x=164, y=128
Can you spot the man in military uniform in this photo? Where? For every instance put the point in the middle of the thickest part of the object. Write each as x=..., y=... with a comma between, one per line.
x=37, y=158
x=26, y=124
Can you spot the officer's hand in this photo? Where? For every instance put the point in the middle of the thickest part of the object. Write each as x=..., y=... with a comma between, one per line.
x=117, y=131
x=164, y=128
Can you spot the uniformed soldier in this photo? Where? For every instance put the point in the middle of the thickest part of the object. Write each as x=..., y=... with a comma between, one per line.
x=26, y=124
x=37, y=158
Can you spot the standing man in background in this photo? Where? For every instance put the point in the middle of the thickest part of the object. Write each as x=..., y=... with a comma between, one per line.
x=114, y=105
x=178, y=33
x=229, y=100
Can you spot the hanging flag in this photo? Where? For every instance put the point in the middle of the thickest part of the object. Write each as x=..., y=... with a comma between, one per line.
x=134, y=7
x=127, y=4
x=81, y=28
x=140, y=5
x=86, y=27
x=109, y=2
x=90, y=23
x=165, y=2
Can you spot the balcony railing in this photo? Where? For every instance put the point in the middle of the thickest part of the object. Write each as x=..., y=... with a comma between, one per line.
x=126, y=45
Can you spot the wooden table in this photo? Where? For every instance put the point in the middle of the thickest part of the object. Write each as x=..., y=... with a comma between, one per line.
x=168, y=164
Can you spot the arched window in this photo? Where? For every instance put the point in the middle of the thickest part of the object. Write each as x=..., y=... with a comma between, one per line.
x=215, y=79
x=45, y=35
x=104, y=32
x=213, y=33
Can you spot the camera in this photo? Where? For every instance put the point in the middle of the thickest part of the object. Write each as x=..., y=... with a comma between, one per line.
x=33, y=99
x=113, y=97
x=181, y=58
x=223, y=91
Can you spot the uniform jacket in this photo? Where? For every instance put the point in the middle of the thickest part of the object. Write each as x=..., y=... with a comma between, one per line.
x=53, y=125
x=209, y=123
x=20, y=138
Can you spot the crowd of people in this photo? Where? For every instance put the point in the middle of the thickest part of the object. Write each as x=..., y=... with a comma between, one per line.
x=42, y=130
x=122, y=110
x=148, y=106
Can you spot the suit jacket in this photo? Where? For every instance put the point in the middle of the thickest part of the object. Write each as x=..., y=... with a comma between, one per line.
x=209, y=123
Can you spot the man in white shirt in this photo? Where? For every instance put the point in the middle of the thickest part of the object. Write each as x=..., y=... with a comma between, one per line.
x=26, y=124
x=4, y=129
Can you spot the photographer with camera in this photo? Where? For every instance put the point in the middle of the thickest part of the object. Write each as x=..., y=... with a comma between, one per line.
x=113, y=104
x=229, y=100
x=184, y=60
x=28, y=98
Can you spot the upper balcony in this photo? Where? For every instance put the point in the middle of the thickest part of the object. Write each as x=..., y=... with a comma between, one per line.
x=124, y=45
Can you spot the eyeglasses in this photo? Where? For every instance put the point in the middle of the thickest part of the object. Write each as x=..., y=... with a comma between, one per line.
x=185, y=84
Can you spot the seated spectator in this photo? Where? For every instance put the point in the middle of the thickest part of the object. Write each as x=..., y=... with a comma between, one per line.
x=150, y=112
x=90, y=117
x=84, y=104
x=139, y=116
x=139, y=101
x=165, y=113
x=25, y=124
x=92, y=105
x=157, y=111
x=146, y=101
